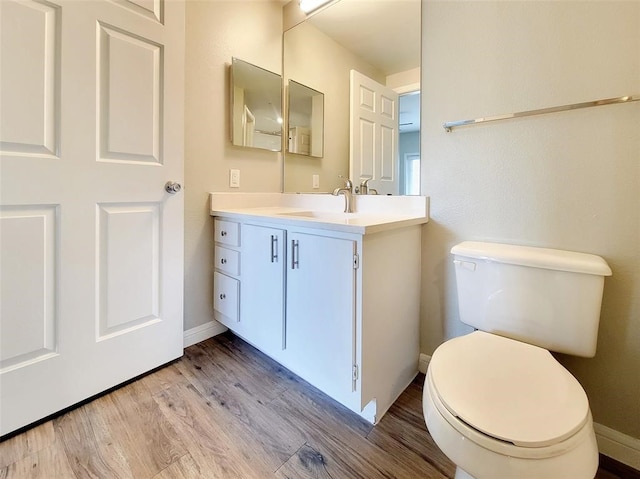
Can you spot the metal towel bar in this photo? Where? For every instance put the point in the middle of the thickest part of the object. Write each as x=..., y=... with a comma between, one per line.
x=449, y=126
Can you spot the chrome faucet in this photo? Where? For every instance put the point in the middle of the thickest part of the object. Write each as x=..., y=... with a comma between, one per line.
x=346, y=191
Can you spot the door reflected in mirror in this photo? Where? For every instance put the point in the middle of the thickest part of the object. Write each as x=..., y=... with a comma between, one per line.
x=305, y=120
x=256, y=111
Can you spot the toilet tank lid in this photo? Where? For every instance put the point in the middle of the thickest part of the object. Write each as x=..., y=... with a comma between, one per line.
x=535, y=257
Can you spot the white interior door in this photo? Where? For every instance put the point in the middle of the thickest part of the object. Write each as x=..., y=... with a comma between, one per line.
x=91, y=244
x=374, y=134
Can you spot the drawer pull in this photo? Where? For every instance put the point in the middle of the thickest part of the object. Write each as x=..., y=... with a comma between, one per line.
x=223, y=233
x=222, y=295
x=223, y=261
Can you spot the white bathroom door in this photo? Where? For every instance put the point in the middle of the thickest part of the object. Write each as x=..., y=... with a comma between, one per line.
x=374, y=134
x=91, y=244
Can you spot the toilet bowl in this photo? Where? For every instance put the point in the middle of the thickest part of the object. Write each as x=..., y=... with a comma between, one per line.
x=499, y=408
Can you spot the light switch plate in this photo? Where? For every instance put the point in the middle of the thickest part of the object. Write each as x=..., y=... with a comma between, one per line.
x=316, y=182
x=234, y=178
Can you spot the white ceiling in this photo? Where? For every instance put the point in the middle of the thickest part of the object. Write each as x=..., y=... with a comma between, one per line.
x=385, y=33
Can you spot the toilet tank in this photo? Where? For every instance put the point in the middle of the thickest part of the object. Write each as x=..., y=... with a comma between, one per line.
x=546, y=297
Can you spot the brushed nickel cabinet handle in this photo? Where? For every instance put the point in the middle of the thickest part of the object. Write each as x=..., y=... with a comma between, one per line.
x=274, y=249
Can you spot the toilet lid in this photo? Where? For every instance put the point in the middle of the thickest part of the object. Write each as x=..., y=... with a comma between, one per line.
x=509, y=390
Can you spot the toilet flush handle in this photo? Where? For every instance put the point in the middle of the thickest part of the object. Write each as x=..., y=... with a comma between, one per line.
x=471, y=266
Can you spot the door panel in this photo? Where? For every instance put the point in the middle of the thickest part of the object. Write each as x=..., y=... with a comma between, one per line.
x=33, y=28
x=28, y=253
x=130, y=105
x=152, y=9
x=365, y=150
x=90, y=243
x=388, y=168
x=129, y=269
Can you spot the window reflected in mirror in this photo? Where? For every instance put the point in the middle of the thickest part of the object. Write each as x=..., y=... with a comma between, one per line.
x=305, y=120
x=256, y=112
x=409, y=143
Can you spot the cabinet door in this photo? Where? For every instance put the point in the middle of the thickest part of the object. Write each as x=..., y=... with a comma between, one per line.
x=262, y=294
x=320, y=323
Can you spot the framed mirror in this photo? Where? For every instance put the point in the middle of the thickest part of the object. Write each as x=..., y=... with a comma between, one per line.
x=255, y=106
x=381, y=40
x=305, y=120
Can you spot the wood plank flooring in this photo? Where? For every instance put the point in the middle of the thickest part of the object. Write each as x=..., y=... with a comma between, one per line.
x=225, y=410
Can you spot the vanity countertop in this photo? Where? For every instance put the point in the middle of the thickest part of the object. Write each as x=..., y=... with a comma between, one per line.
x=371, y=214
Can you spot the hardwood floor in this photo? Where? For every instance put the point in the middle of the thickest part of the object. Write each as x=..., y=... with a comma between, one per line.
x=225, y=410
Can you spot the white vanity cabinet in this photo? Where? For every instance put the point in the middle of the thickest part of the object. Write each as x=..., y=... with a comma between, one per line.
x=248, y=284
x=338, y=308
x=321, y=313
x=333, y=297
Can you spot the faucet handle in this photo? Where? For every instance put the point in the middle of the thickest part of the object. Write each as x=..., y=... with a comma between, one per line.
x=364, y=186
x=347, y=182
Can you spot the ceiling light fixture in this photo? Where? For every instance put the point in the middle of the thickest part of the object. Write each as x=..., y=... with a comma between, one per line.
x=308, y=6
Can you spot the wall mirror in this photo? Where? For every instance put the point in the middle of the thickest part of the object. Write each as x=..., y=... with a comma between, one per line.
x=381, y=40
x=305, y=120
x=255, y=106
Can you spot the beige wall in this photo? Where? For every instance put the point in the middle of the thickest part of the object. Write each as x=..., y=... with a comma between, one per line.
x=216, y=31
x=566, y=180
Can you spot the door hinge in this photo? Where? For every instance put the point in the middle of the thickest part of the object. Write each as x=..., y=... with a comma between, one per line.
x=356, y=261
x=354, y=374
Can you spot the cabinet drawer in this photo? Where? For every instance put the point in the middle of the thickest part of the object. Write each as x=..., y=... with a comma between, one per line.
x=226, y=295
x=227, y=260
x=227, y=232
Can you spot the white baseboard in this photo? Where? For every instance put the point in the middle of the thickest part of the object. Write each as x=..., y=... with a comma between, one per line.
x=423, y=363
x=202, y=332
x=618, y=446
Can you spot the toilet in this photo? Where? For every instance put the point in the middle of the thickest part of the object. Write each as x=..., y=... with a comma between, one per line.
x=496, y=401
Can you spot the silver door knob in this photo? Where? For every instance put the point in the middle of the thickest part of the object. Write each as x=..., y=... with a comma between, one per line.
x=172, y=187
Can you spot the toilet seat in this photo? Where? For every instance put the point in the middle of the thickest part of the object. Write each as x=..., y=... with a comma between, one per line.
x=510, y=391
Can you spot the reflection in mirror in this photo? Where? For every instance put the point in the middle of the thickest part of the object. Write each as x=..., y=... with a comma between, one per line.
x=409, y=143
x=305, y=120
x=379, y=39
x=256, y=99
